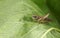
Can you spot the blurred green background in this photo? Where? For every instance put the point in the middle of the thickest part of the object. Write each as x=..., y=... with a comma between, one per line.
x=16, y=19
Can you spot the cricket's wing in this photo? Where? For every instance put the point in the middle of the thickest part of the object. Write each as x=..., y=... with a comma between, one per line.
x=47, y=19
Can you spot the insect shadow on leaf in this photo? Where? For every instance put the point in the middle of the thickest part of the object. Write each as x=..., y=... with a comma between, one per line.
x=27, y=18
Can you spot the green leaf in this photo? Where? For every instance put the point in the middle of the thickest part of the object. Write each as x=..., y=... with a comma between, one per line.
x=16, y=20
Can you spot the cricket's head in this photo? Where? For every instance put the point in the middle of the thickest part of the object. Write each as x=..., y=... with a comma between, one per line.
x=35, y=17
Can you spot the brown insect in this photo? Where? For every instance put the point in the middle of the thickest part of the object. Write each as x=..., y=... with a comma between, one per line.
x=42, y=19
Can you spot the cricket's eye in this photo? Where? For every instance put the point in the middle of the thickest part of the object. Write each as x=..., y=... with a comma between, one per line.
x=34, y=16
